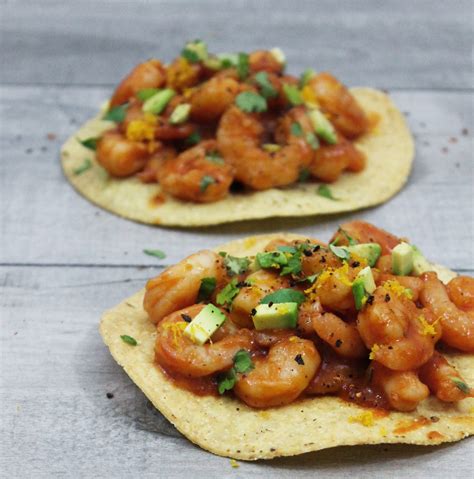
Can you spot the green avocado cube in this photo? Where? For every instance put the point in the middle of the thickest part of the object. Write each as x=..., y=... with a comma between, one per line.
x=157, y=103
x=275, y=316
x=402, y=259
x=369, y=251
x=420, y=263
x=322, y=126
x=180, y=114
x=204, y=324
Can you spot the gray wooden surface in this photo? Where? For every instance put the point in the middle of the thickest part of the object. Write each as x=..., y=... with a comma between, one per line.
x=63, y=261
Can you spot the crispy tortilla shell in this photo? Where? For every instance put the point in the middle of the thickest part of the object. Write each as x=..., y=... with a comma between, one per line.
x=227, y=427
x=389, y=148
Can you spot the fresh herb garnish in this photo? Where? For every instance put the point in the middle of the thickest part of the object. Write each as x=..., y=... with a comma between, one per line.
x=296, y=129
x=349, y=238
x=341, y=253
x=208, y=285
x=272, y=259
x=206, y=181
x=324, y=190
x=294, y=265
x=116, y=113
x=90, y=143
x=84, y=167
x=193, y=139
x=242, y=364
x=235, y=265
x=227, y=294
x=214, y=157
x=146, y=93
x=195, y=51
x=306, y=76
x=157, y=253
x=461, y=385
x=304, y=175
x=312, y=140
x=266, y=88
x=249, y=102
x=243, y=65
x=129, y=340
x=285, y=295
x=292, y=94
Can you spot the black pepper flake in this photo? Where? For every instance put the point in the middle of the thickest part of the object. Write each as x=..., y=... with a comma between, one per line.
x=355, y=264
x=241, y=284
x=307, y=252
x=293, y=283
x=253, y=312
x=323, y=259
x=434, y=418
x=370, y=299
x=317, y=248
x=299, y=359
x=186, y=318
x=387, y=298
x=338, y=343
x=270, y=304
x=109, y=395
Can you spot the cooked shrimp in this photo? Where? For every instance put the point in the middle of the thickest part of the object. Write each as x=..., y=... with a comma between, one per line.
x=343, y=337
x=461, y=292
x=213, y=97
x=307, y=311
x=262, y=60
x=154, y=164
x=281, y=376
x=404, y=390
x=384, y=264
x=443, y=379
x=401, y=336
x=119, y=156
x=458, y=325
x=329, y=161
x=196, y=176
x=239, y=135
x=364, y=232
x=178, y=286
x=175, y=351
x=337, y=101
x=181, y=74
x=415, y=285
x=150, y=74
x=261, y=283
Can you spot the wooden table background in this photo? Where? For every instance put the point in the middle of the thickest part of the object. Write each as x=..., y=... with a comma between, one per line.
x=63, y=261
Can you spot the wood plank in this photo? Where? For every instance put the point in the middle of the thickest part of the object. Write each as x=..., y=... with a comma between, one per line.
x=45, y=221
x=388, y=44
x=58, y=422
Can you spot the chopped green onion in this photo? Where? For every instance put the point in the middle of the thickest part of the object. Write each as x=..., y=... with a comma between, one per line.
x=325, y=191
x=180, y=114
x=292, y=94
x=116, y=113
x=129, y=340
x=157, y=253
x=146, y=93
x=157, y=103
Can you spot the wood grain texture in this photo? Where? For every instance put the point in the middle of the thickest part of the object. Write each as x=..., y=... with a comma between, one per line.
x=52, y=224
x=394, y=43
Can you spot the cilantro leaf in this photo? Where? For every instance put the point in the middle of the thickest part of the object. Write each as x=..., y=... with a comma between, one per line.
x=214, y=157
x=292, y=94
x=236, y=265
x=90, y=143
x=272, y=259
x=129, y=340
x=304, y=175
x=146, y=93
x=243, y=362
x=208, y=285
x=195, y=51
x=324, y=190
x=296, y=129
x=341, y=253
x=349, y=238
x=226, y=381
x=266, y=88
x=193, y=139
x=157, y=253
x=227, y=294
x=206, y=181
x=285, y=295
x=84, y=167
x=461, y=385
x=190, y=55
x=116, y=113
x=243, y=65
x=293, y=266
x=249, y=102
x=312, y=140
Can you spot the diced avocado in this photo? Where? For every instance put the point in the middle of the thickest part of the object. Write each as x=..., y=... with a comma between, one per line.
x=402, y=259
x=367, y=279
x=420, y=263
x=157, y=103
x=279, y=55
x=213, y=63
x=369, y=251
x=322, y=126
x=358, y=291
x=275, y=316
x=205, y=324
x=228, y=59
x=199, y=48
x=180, y=114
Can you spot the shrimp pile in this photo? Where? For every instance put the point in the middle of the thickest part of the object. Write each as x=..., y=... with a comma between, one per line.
x=384, y=350
x=205, y=123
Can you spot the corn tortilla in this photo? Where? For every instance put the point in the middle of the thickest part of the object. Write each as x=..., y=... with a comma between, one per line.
x=389, y=149
x=227, y=427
